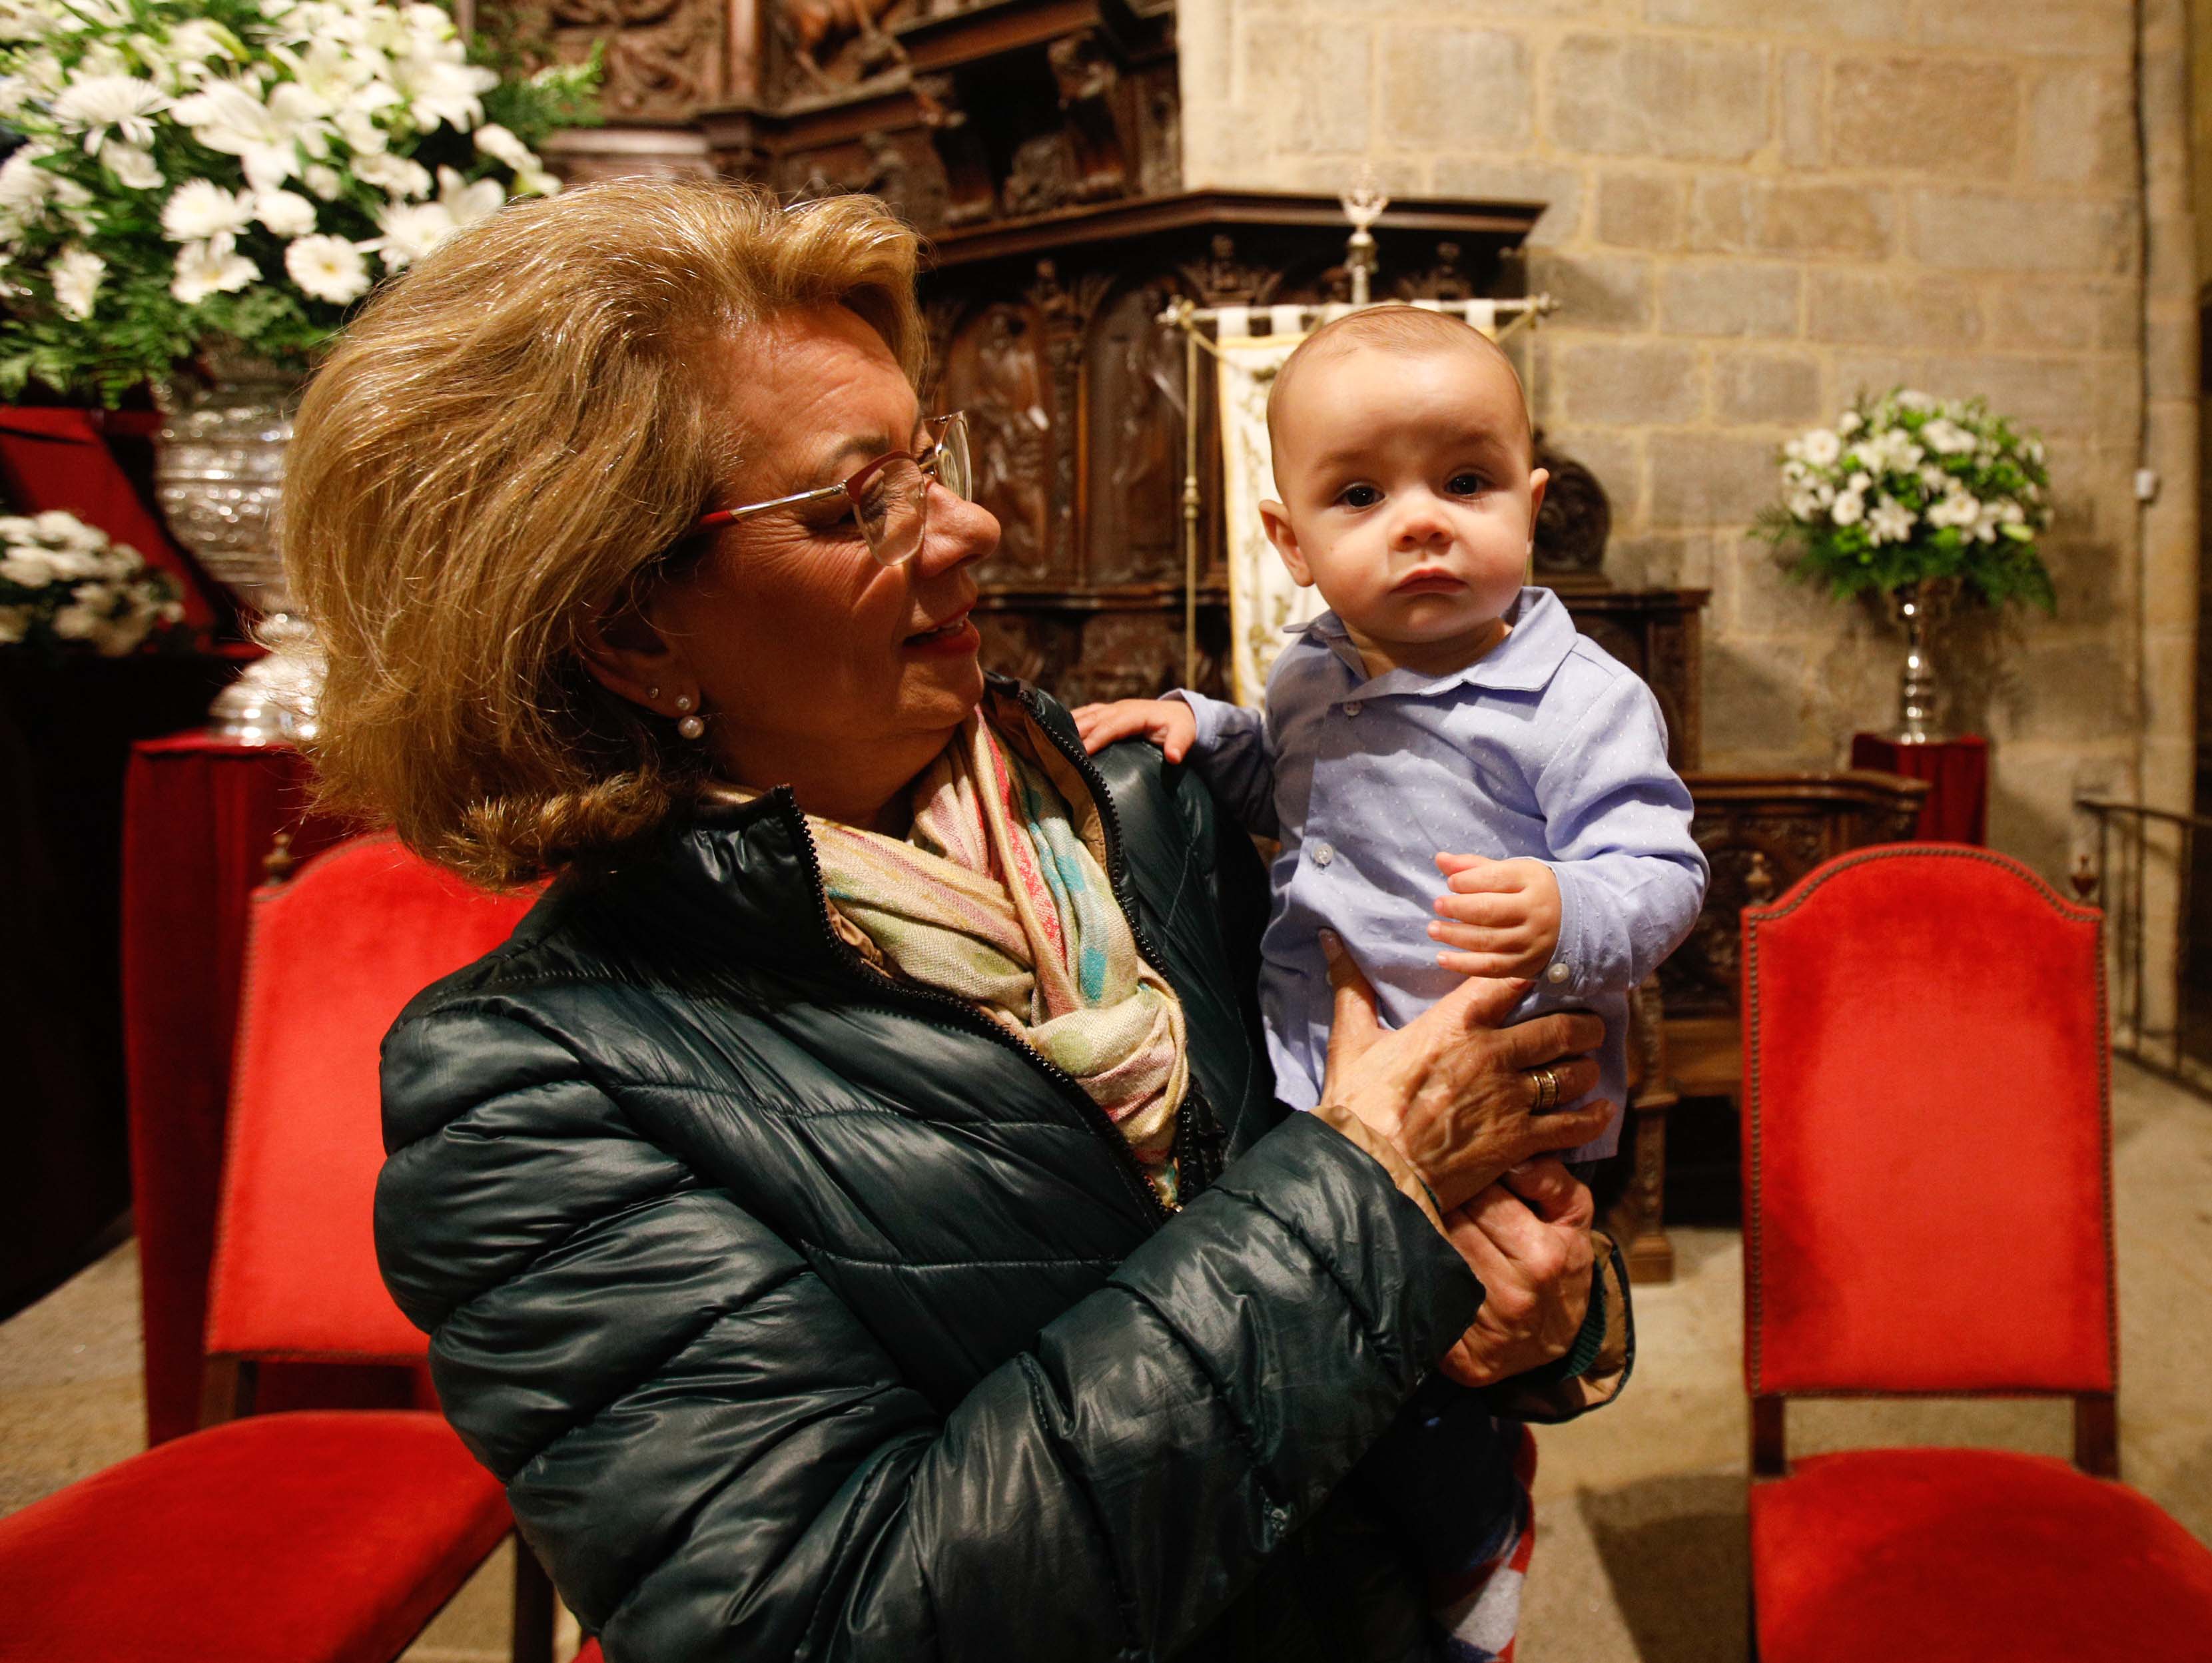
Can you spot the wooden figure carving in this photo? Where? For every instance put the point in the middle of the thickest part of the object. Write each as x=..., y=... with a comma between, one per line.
x=969, y=193
x=1088, y=81
x=814, y=31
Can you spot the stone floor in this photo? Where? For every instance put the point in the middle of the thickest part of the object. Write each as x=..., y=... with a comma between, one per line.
x=1640, y=1556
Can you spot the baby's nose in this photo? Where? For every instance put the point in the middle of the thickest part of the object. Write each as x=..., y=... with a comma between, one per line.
x=1422, y=520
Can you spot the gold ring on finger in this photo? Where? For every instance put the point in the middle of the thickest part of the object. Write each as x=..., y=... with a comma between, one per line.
x=1547, y=1089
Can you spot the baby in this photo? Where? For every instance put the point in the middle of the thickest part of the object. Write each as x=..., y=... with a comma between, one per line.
x=1439, y=717
x=1440, y=726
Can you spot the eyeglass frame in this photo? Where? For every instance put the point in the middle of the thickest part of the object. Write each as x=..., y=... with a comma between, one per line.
x=945, y=426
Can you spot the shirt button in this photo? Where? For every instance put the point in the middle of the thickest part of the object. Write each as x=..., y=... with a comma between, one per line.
x=1322, y=854
x=1351, y=707
x=1558, y=974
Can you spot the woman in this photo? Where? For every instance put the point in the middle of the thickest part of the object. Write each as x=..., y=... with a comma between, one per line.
x=850, y=1215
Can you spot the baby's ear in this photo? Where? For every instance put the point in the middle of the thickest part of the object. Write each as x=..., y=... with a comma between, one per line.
x=1284, y=537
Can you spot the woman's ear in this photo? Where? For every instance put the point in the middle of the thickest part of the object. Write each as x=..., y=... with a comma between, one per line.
x=629, y=657
x=1281, y=532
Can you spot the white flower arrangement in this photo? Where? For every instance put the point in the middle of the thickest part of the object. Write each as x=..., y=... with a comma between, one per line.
x=64, y=585
x=238, y=171
x=1906, y=488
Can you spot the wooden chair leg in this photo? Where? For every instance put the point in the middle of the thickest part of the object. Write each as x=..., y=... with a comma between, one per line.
x=228, y=1387
x=533, y=1607
x=2097, y=1434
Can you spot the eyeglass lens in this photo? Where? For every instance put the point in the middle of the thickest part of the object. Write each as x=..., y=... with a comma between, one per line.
x=894, y=504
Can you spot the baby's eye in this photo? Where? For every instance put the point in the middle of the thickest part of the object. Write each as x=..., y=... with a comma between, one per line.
x=1464, y=484
x=1360, y=496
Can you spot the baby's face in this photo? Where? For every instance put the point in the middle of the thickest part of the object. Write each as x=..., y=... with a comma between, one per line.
x=1409, y=499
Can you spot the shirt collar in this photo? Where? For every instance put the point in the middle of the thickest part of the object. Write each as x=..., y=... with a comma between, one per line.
x=1524, y=661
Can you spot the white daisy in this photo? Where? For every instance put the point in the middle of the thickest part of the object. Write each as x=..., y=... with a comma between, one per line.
x=94, y=103
x=328, y=268
x=287, y=213
x=213, y=267
x=76, y=274
x=201, y=209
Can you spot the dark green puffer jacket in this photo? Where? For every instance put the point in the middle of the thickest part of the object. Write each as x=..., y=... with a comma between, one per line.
x=807, y=1316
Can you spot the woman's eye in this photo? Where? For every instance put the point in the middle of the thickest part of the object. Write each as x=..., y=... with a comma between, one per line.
x=1465, y=484
x=1360, y=496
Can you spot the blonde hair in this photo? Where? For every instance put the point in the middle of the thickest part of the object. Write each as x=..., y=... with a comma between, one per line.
x=496, y=448
x=1391, y=328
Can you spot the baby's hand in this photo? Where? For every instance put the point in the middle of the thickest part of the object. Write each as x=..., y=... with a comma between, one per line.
x=1167, y=723
x=1504, y=916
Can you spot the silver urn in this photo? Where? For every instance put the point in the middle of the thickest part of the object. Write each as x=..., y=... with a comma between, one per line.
x=218, y=472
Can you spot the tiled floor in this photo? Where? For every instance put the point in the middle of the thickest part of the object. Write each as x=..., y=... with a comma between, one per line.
x=1640, y=1554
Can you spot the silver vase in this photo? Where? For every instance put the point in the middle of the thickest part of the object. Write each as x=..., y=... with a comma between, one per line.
x=218, y=472
x=1919, y=607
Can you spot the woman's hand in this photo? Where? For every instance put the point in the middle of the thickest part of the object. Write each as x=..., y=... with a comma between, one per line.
x=1453, y=1090
x=1527, y=1238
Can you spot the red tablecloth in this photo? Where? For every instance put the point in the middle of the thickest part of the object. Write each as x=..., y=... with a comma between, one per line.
x=1957, y=808
x=199, y=815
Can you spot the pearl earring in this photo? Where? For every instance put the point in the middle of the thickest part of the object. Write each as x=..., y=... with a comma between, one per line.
x=691, y=727
x=654, y=693
x=683, y=701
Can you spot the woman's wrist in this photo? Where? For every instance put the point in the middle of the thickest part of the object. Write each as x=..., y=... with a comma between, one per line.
x=1405, y=1174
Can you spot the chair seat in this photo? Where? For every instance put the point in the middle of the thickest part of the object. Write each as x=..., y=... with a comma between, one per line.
x=304, y=1538
x=1962, y=1556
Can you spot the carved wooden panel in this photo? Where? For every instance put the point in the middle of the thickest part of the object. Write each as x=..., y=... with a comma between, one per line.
x=663, y=59
x=1656, y=634
x=1762, y=833
x=995, y=369
x=1132, y=512
x=1081, y=653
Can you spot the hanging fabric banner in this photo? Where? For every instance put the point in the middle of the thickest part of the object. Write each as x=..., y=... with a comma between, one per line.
x=1263, y=600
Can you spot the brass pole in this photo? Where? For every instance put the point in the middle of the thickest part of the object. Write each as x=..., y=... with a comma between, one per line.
x=1190, y=498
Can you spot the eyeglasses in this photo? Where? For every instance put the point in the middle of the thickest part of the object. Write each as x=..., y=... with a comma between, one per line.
x=889, y=497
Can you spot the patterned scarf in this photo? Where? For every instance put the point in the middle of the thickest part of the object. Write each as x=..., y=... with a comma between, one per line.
x=1000, y=897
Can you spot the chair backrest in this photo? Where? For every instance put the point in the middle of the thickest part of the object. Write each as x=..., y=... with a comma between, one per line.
x=1927, y=1133
x=332, y=957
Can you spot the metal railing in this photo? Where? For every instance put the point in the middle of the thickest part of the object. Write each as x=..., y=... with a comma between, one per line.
x=2135, y=841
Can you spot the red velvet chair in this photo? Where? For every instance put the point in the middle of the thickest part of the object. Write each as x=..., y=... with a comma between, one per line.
x=310, y=1536
x=1928, y=1212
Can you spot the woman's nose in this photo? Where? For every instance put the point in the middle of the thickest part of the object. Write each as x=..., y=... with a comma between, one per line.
x=957, y=532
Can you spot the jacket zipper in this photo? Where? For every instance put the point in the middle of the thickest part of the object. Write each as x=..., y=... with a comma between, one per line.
x=967, y=1018
x=1201, y=1165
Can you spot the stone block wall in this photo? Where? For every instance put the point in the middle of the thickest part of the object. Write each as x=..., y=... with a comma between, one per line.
x=1758, y=208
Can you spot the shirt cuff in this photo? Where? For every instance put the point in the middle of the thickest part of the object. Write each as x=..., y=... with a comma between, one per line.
x=1205, y=715
x=1572, y=970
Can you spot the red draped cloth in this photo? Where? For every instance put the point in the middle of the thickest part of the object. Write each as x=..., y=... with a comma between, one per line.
x=200, y=813
x=61, y=458
x=1957, y=807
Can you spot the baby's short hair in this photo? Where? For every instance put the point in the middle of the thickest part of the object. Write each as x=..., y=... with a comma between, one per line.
x=1391, y=328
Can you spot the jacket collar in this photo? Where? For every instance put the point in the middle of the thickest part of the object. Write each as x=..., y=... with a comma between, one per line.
x=1542, y=635
x=748, y=871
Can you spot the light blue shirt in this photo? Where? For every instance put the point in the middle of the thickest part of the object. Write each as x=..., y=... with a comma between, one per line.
x=1545, y=747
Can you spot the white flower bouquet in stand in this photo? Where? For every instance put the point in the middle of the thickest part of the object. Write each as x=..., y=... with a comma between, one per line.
x=237, y=172
x=1905, y=489
x=64, y=585
x=1910, y=497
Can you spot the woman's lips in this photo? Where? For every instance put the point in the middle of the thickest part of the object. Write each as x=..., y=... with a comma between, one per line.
x=956, y=634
